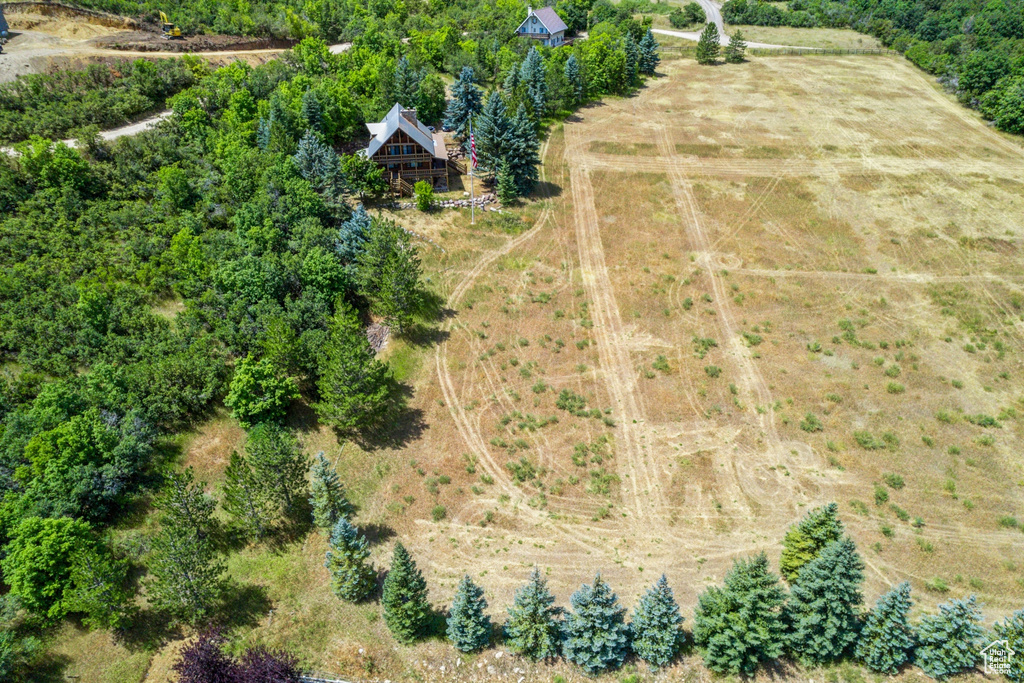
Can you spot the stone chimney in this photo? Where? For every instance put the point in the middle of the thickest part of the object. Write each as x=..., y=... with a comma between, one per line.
x=409, y=115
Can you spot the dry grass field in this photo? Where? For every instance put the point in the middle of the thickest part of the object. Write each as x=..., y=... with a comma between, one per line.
x=744, y=292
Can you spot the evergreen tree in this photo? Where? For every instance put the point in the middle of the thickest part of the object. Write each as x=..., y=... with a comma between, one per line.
x=404, y=598
x=98, y=588
x=656, y=631
x=823, y=603
x=506, y=186
x=596, y=636
x=312, y=111
x=493, y=133
x=887, y=640
x=353, y=235
x=950, y=642
x=327, y=495
x=464, y=105
x=184, y=504
x=352, y=578
x=740, y=625
x=632, y=52
x=535, y=81
x=354, y=386
x=523, y=156
x=389, y=273
x=1012, y=631
x=805, y=540
x=469, y=629
x=574, y=77
x=246, y=498
x=407, y=83
x=533, y=629
x=708, y=45
x=513, y=80
x=278, y=463
x=649, y=58
x=735, y=51
x=316, y=162
x=184, y=573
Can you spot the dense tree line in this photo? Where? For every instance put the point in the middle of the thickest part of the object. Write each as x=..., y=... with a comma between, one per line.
x=816, y=617
x=974, y=47
x=101, y=95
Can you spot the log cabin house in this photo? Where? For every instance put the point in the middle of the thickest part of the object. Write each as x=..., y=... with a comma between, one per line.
x=408, y=151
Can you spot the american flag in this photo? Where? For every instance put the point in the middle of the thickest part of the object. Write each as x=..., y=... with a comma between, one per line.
x=472, y=149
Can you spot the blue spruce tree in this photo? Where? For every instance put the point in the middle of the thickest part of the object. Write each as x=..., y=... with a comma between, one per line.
x=533, y=628
x=352, y=578
x=805, y=540
x=326, y=494
x=596, y=636
x=740, y=625
x=632, y=59
x=656, y=625
x=1012, y=631
x=649, y=58
x=523, y=156
x=949, y=642
x=316, y=162
x=404, y=598
x=353, y=235
x=823, y=603
x=469, y=629
x=312, y=111
x=464, y=105
x=493, y=132
x=531, y=73
x=887, y=640
x=574, y=77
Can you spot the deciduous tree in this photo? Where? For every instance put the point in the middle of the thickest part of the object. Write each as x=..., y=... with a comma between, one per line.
x=259, y=393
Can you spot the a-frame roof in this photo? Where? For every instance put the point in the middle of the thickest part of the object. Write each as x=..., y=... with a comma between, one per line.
x=393, y=122
x=547, y=16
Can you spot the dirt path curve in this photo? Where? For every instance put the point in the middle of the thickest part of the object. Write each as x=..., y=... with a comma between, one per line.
x=113, y=133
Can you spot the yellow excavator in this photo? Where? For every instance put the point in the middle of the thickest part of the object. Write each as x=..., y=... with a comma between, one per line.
x=168, y=30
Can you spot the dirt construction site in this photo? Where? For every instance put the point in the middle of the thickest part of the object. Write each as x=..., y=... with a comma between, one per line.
x=744, y=292
x=46, y=37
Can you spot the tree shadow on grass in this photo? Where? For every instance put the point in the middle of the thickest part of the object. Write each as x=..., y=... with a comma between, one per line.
x=148, y=629
x=244, y=605
x=376, y=533
x=49, y=668
x=401, y=426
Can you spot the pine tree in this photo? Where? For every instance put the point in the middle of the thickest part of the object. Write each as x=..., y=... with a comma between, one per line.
x=574, y=76
x=950, y=642
x=407, y=83
x=649, y=58
x=184, y=504
x=352, y=236
x=389, y=273
x=887, y=640
x=404, y=598
x=596, y=636
x=656, y=631
x=247, y=499
x=492, y=131
x=316, y=162
x=736, y=50
x=184, y=573
x=278, y=463
x=533, y=629
x=822, y=608
x=464, y=105
x=740, y=625
x=535, y=81
x=1012, y=631
x=312, y=111
x=354, y=386
x=327, y=495
x=98, y=588
x=632, y=52
x=523, y=157
x=805, y=540
x=352, y=578
x=506, y=185
x=469, y=629
x=708, y=45
x=513, y=80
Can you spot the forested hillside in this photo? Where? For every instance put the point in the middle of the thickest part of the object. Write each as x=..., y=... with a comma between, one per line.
x=976, y=48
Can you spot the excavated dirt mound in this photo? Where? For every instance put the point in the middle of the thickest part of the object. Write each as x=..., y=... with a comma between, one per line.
x=152, y=41
x=77, y=28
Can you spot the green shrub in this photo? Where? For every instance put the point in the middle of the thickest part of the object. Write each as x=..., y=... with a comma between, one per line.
x=811, y=423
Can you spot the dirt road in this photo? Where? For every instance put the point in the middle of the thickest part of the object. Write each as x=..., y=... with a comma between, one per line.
x=722, y=38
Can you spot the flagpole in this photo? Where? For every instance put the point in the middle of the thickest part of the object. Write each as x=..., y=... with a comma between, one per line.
x=472, y=195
